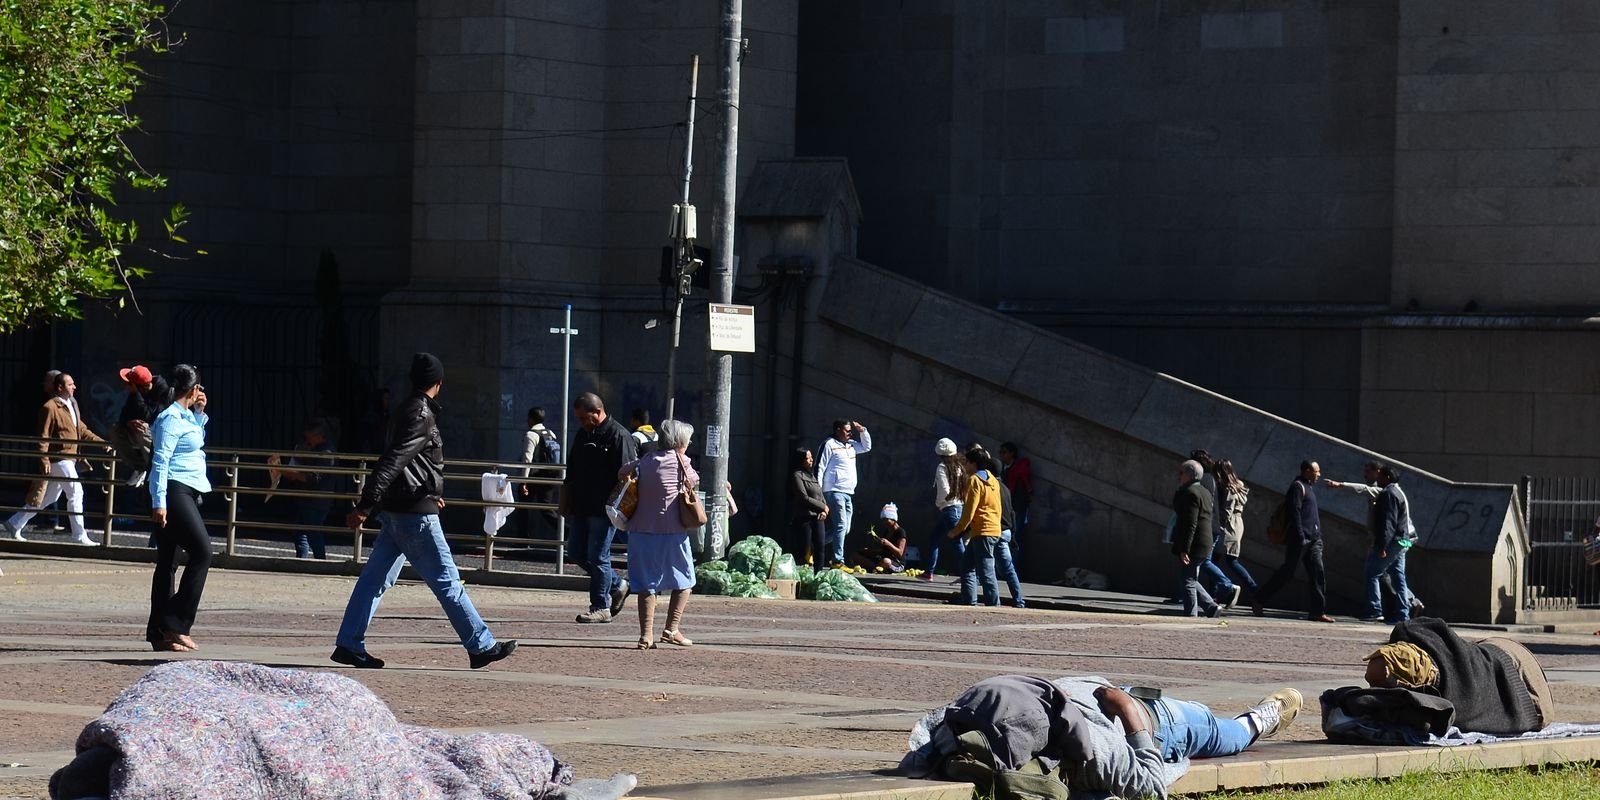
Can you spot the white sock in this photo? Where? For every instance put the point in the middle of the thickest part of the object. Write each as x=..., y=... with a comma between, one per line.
x=1253, y=720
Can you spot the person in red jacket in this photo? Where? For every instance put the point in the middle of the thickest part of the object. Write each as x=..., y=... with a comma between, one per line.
x=1016, y=472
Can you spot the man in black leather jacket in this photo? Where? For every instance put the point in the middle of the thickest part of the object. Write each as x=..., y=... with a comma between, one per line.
x=408, y=484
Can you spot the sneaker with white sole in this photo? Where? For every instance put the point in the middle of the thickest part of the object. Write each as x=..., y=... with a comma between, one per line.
x=1276, y=711
x=596, y=616
x=1233, y=598
x=84, y=540
x=15, y=533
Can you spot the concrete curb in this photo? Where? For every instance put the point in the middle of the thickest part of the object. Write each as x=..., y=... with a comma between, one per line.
x=1276, y=765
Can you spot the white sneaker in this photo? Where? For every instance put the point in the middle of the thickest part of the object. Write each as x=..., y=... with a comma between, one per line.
x=1276, y=711
x=16, y=533
x=85, y=540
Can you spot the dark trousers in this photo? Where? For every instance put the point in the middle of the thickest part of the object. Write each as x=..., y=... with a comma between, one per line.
x=1295, y=552
x=810, y=534
x=173, y=612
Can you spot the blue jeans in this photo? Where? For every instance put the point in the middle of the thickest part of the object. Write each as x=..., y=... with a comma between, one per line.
x=1006, y=569
x=589, y=541
x=308, y=543
x=1190, y=730
x=978, y=565
x=941, y=535
x=1218, y=577
x=419, y=539
x=840, y=507
x=1395, y=567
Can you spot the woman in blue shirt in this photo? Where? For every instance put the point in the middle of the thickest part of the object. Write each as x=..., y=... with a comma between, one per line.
x=177, y=482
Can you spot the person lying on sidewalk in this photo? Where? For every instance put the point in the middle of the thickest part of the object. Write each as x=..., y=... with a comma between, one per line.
x=1427, y=679
x=1024, y=734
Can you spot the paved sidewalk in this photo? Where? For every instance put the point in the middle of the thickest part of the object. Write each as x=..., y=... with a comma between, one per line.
x=772, y=689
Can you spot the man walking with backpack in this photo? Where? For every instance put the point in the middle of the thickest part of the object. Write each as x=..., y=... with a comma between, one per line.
x=1302, y=543
x=539, y=446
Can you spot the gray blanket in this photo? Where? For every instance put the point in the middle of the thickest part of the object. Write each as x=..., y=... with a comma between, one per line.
x=233, y=731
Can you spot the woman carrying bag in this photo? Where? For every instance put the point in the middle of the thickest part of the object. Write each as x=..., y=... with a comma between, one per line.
x=659, y=559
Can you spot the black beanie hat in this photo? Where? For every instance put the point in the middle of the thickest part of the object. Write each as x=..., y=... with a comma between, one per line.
x=426, y=370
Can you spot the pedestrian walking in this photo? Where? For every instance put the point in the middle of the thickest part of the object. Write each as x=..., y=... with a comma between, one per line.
x=1192, y=538
x=949, y=482
x=1302, y=545
x=1232, y=496
x=836, y=471
x=659, y=559
x=178, y=485
x=61, y=428
x=599, y=450
x=1005, y=564
x=1371, y=490
x=980, y=527
x=304, y=472
x=539, y=446
x=408, y=485
x=1392, y=536
x=808, y=511
x=131, y=437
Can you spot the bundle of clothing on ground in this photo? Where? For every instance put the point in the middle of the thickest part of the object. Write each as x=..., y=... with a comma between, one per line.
x=235, y=731
x=1429, y=686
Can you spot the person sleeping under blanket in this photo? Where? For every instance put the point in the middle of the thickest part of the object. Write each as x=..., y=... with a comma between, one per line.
x=1428, y=679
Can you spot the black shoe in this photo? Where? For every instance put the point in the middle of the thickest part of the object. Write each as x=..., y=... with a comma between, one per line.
x=1215, y=612
x=350, y=658
x=619, y=596
x=493, y=654
x=1371, y=618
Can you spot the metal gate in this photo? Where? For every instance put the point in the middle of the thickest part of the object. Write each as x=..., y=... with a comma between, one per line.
x=1563, y=521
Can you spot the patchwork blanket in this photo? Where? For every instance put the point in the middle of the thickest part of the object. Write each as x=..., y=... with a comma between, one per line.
x=236, y=731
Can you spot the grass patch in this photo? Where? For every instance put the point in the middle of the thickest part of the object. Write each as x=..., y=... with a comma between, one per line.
x=1559, y=782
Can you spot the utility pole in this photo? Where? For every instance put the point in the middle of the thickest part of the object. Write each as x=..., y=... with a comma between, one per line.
x=718, y=433
x=682, y=231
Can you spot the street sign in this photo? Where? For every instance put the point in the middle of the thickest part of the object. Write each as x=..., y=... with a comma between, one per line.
x=733, y=328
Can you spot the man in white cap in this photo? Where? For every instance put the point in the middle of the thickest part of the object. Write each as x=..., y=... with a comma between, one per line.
x=886, y=551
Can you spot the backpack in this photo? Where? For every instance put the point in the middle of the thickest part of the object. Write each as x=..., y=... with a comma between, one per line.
x=548, y=451
x=974, y=762
x=1278, y=524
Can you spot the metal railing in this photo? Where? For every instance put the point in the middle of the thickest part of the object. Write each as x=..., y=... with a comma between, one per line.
x=239, y=467
x=1562, y=520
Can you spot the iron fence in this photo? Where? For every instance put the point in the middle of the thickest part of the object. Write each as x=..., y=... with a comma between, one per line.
x=1563, y=523
x=245, y=490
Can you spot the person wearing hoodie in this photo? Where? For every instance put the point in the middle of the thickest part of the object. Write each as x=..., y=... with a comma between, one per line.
x=979, y=528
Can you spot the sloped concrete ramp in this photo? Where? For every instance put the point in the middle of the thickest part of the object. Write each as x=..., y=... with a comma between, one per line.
x=1105, y=437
